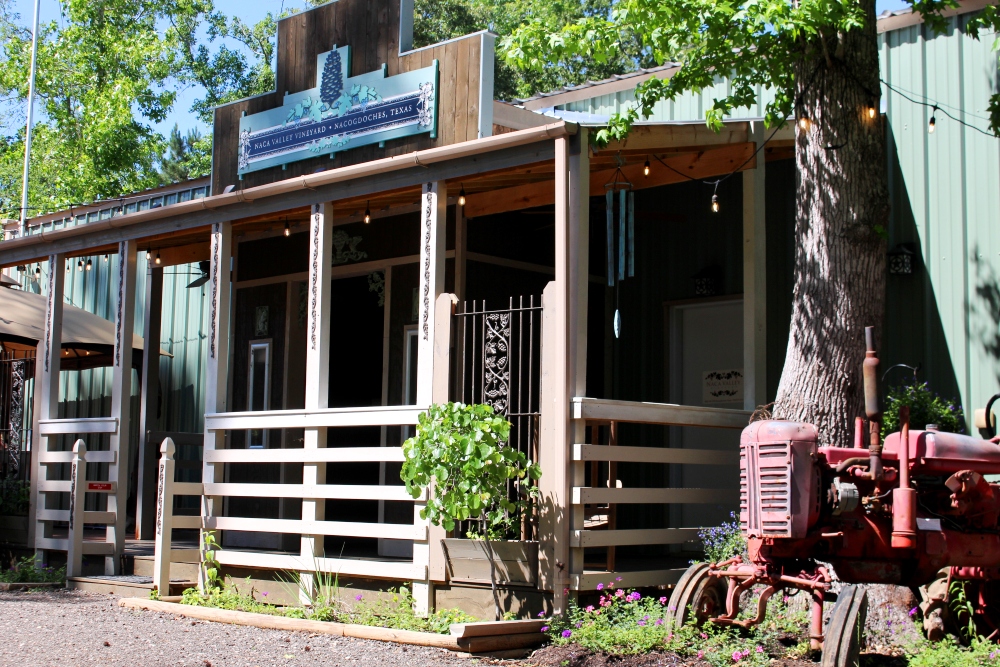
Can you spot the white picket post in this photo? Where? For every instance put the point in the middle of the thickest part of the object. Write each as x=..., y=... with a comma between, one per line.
x=164, y=518
x=77, y=487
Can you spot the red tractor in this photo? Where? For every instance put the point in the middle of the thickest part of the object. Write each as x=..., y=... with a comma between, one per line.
x=905, y=511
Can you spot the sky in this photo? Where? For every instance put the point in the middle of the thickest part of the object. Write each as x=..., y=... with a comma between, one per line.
x=250, y=11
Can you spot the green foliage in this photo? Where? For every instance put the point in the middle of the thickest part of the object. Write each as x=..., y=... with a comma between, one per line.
x=210, y=566
x=948, y=653
x=723, y=542
x=25, y=570
x=625, y=622
x=188, y=156
x=926, y=407
x=15, y=496
x=227, y=596
x=758, y=45
x=965, y=612
x=459, y=457
x=438, y=20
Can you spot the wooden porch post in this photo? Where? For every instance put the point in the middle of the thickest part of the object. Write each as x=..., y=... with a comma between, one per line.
x=145, y=513
x=121, y=403
x=46, y=400
x=217, y=366
x=433, y=219
x=564, y=354
x=755, y=279
x=320, y=284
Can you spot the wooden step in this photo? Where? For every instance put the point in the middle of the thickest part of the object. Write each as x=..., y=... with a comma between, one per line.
x=130, y=585
x=143, y=566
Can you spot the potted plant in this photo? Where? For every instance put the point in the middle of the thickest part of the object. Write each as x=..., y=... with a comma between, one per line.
x=461, y=458
x=14, y=498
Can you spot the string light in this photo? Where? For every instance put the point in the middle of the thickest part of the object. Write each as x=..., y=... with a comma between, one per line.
x=105, y=258
x=67, y=266
x=157, y=257
x=90, y=265
x=461, y=196
x=645, y=168
x=933, y=121
x=148, y=256
x=288, y=231
x=38, y=269
x=368, y=213
x=804, y=123
x=871, y=111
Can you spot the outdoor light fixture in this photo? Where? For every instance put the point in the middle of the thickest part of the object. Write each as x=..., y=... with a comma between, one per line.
x=90, y=265
x=148, y=256
x=901, y=259
x=368, y=213
x=932, y=122
x=804, y=123
x=38, y=269
x=645, y=168
x=157, y=257
x=79, y=265
x=871, y=111
x=105, y=258
x=288, y=232
x=461, y=196
x=67, y=265
x=715, y=203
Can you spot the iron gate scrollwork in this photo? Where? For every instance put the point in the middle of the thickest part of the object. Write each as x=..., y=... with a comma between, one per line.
x=16, y=368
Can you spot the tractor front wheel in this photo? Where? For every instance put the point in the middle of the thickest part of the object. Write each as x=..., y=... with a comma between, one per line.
x=844, y=633
x=699, y=595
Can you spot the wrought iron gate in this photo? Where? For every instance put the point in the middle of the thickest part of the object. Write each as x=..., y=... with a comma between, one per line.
x=496, y=361
x=17, y=367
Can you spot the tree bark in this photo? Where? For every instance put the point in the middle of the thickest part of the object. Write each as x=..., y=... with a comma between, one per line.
x=842, y=210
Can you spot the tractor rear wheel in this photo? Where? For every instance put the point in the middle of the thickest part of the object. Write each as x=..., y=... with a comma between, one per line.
x=699, y=595
x=844, y=632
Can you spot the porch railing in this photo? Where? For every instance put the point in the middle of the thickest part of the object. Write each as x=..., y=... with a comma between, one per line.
x=604, y=493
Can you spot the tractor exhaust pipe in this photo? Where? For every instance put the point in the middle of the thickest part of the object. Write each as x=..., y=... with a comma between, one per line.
x=873, y=408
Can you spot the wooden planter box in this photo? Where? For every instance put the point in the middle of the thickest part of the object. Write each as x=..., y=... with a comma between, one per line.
x=14, y=529
x=516, y=561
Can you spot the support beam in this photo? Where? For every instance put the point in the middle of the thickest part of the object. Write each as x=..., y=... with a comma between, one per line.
x=217, y=366
x=46, y=395
x=443, y=314
x=433, y=222
x=755, y=279
x=121, y=403
x=318, y=322
x=145, y=513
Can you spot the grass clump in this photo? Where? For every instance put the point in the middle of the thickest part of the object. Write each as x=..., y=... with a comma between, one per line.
x=26, y=571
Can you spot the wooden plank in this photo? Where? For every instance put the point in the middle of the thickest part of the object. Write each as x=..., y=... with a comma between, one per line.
x=655, y=455
x=448, y=109
x=495, y=628
x=696, y=165
x=185, y=556
x=641, y=579
x=63, y=515
x=660, y=136
x=607, y=538
x=77, y=426
x=517, y=118
x=667, y=414
x=472, y=105
x=189, y=488
x=345, y=566
x=188, y=522
x=586, y=495
x=319, y=491
x=235, y=617
x=387, y=531
x=53, y=486
x=99, y=548
x=460, y=114
x=755, y=278
x=56, y=544
x=315, y=418
x=67, y=457
x=334, y=455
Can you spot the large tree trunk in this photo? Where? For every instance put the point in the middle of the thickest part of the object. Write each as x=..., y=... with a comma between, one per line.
x=841, y=215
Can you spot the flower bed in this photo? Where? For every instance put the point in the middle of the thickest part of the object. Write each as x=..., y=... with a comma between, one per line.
x=25, y=573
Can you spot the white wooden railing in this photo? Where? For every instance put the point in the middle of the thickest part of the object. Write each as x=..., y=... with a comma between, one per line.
x=609, y=413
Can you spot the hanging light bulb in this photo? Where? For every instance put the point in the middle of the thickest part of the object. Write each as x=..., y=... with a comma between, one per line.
x=804, y=123
x=90, y=265
x=461, y=196
x=67, y=265
x=715, y=203
x=288, y=231
x=368, y=213
x=105, y=258
x=38, y=269
x=645, y=168
x=871, y=111
x=157, y=257
x=79, y=265
x=932, y=122
x=148, y=256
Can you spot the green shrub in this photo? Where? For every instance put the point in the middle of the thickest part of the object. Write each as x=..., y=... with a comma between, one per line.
x=723, y=542
x=15, y=496
x=947, y=653
x=926, y=407
x=26, y=571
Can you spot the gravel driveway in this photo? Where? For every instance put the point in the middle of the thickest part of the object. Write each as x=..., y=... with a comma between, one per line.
x=68, y=628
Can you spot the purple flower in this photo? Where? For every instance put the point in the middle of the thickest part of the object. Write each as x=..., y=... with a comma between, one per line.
x=358, y=597
x=634, y=596
x=264, y=593
x=760, y=649
x=567, y=633
x=736, y=656
x=663, y=600
x=618, y=578
x=589, y=608
x=545, y=628
x=658, y=621
x=579, y=625
x=642, y=623
x=646, y=617
x=600, y=587
x=672, y=607
x=541, y=614
x=913, y=612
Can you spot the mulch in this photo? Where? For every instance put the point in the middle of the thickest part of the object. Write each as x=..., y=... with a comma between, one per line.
x=572, y=655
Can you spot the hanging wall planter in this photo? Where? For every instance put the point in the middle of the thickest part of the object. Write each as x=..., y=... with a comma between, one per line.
x=468, y=560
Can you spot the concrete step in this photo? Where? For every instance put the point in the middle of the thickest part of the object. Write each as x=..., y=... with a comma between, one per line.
x=143, y=566
x=127, y=585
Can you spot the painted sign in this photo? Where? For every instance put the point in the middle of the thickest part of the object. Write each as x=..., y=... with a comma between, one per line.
x=101, y=487
x=341, y=112
x=722, y=386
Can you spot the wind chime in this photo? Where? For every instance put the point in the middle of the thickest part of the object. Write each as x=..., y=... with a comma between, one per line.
x=626, y=233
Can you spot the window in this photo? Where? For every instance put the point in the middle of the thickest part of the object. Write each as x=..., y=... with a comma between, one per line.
x=259, y=389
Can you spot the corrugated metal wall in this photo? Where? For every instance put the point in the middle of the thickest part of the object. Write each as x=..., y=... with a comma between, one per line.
x=945, y=190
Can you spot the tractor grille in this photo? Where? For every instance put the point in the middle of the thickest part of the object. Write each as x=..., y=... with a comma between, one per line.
x=765, y=489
